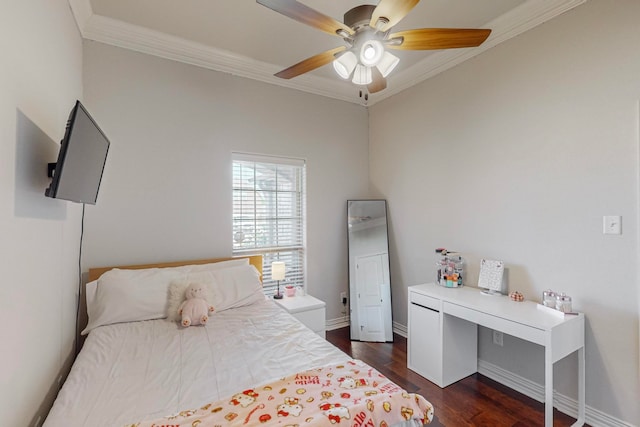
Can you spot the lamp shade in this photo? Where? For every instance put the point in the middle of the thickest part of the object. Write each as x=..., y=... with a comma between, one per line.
x=345, y=64
x=362, y=75
x=387, y=63
x=277, y=270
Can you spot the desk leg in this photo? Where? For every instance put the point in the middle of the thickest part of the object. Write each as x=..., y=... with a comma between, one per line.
x=548, y=387
x=581, y=388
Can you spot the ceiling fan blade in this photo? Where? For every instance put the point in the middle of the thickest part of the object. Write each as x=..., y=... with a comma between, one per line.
x=310, y=64
x=438, y=38
x=379, y=83
x=393, y=11
x=306, y=15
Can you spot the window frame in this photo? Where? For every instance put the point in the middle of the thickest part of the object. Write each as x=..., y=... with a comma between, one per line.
x=293, y=254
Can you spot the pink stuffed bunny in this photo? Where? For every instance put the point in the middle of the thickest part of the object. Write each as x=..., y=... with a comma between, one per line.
x=195, y=309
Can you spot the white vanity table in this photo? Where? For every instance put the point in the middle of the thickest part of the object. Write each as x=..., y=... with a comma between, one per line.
x=443, y=347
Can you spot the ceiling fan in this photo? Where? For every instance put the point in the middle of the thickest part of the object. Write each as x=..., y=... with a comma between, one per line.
x=367, y=33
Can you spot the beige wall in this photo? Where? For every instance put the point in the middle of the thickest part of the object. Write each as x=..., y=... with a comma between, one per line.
x=40, y=79
x=517, y=155
x=166, y=192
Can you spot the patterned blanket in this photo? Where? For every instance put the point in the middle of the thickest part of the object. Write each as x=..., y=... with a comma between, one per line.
x=348, y=394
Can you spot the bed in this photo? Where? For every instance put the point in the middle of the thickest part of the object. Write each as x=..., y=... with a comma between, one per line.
x=251, y=364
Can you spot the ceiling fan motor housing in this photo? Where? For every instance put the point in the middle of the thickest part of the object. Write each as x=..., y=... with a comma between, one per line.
x=359, y=16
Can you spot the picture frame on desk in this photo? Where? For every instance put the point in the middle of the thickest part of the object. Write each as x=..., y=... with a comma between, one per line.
x=492, y=277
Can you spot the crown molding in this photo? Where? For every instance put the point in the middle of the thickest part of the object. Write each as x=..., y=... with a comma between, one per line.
x=82, y=11
x=117, y=33
x=121, y=34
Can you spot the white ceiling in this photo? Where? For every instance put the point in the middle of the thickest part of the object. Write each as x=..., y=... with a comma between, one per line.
x=244, y=38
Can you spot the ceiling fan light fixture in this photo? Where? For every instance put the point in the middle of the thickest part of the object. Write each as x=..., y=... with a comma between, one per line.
x=387, y=64
x=362, y=75
x=371, y=52
x=345, y=64
x=366, y=31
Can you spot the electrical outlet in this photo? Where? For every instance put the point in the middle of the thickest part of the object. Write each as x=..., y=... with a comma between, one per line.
x=498, y=338
x=343, y=298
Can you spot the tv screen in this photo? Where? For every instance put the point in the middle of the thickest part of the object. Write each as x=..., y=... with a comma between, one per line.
x=83, y=153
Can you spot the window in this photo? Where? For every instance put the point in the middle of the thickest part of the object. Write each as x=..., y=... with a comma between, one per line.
x=269, y=214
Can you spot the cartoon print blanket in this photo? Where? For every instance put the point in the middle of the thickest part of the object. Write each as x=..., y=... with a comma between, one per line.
x=347, y=394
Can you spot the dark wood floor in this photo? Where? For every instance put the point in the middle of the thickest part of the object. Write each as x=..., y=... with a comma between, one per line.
x=473, y=401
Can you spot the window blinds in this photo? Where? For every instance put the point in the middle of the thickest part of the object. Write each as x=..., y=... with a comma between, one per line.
x=268, y=214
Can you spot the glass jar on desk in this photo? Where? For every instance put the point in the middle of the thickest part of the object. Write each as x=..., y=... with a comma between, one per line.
x=450, y=270
x=563, y=303
x=549, y=298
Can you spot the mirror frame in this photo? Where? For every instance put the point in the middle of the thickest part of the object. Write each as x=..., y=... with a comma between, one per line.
x=380, y=260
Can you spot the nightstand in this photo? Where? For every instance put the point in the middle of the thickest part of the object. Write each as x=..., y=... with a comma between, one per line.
x=307, y=309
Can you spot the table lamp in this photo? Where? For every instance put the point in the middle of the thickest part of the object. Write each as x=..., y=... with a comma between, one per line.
x=277, y=273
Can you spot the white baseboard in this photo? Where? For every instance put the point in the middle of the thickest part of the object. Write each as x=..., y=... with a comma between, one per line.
x=343, y=322
x=562, y=403
x=400, y=329
x=340, y=322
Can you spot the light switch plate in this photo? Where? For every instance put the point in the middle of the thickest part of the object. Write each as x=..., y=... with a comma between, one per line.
x=612, y=224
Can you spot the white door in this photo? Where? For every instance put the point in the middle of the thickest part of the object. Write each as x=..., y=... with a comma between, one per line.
x=373, y=304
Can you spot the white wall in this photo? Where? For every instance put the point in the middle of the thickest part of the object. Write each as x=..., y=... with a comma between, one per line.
x=166, y=193
x=40, y=79
x=549, y=119
x=517, y=155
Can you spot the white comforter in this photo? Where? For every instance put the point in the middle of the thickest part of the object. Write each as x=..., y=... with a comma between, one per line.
x=149, y=369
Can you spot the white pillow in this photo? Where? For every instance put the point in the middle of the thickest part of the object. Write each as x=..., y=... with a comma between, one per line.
x=90, y=293
x=227, y=288
x=196, y=268
x=90, y=290
x=235, y=287
x=129, y=295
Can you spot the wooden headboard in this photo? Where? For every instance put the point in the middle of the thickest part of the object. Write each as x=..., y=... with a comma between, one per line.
x=95, y=273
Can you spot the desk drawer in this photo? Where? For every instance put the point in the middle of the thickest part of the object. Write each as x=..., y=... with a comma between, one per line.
x=494, y=321
x=425, y=301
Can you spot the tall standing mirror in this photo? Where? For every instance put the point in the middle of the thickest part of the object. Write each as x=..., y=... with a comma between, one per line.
x=369, y=281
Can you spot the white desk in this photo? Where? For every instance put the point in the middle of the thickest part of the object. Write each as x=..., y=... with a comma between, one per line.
x=442, y=344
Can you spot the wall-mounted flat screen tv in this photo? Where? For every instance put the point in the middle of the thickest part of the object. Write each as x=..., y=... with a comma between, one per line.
x=83, y=152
